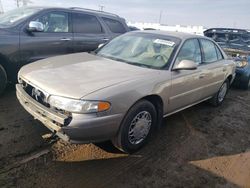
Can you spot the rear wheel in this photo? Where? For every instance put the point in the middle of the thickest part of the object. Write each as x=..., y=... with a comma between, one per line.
x=3, y=79
x=221, y=94
x=136, y=127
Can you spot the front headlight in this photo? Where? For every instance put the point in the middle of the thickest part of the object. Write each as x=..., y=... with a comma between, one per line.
x=241, y=64
x=78, y=106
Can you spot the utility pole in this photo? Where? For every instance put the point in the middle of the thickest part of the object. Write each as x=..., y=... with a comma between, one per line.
x=1, y=7
x=101, y=7
x=160, y=17
x=26, y=2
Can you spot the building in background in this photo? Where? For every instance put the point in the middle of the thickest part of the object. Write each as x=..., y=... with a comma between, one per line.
x=178, y=28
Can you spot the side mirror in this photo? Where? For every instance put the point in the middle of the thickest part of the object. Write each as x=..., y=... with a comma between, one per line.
x=35, y=27
x=185, y=65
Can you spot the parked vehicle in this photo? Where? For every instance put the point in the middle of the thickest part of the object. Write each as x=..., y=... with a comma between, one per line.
x=236, y=43
x=33, y=33
x=122, y=92
x=133, y=28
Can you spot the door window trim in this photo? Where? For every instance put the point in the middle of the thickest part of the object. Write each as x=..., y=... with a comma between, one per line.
x=43, y=12
x=54, y=11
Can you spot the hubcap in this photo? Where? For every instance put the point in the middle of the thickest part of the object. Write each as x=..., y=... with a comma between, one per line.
x=139, y=127
x=222, y=92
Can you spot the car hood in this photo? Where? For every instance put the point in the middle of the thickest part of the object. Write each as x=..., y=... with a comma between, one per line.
x=77, y=75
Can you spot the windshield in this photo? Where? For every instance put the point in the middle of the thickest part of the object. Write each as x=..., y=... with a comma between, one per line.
x=13, y=17
x=149, y=50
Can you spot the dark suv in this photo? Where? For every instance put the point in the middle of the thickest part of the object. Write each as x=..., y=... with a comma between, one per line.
x=33, y=33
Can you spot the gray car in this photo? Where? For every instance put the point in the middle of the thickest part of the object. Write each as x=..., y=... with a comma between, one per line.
x=122, y=92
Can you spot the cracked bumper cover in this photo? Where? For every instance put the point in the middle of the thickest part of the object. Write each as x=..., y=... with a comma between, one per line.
x=83, y=128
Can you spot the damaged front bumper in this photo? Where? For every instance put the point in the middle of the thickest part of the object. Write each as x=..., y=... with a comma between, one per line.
x=80, y=128
x=49, y=118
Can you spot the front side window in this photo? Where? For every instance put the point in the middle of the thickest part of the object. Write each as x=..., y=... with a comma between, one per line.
x=54, y=22
x=190, y=51
x=88, y=24
x=114, y=25
x=209, y=50
x=138, y=49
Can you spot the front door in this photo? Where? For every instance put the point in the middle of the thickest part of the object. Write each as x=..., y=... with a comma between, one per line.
x=56, y=39
x=186, y=84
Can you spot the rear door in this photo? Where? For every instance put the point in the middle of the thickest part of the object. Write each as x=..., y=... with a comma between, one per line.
x=88, y=32
x=213, y=67
x=56, y=39
x=186, y=84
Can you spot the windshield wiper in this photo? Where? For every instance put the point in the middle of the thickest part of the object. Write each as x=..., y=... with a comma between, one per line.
x=125, y=61
x=138, y=64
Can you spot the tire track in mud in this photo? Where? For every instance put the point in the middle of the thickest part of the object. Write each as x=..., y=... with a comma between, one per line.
x=182, y=136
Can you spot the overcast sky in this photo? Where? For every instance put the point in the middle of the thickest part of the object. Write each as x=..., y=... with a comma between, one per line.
x=208, y=13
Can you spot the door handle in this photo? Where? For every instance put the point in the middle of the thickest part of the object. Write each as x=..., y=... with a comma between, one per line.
x=105, y=39
x=65, y=39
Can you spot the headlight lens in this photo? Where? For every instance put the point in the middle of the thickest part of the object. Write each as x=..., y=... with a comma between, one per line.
x=78, y=106
x=241, y=64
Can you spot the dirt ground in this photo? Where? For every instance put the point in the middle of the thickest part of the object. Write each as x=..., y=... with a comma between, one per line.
x=200, y=147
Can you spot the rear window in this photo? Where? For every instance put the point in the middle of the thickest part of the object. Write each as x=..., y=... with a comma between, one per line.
x=84, y=23
x=114, y=25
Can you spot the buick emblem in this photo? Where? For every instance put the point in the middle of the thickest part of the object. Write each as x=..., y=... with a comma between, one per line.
x=37, y=94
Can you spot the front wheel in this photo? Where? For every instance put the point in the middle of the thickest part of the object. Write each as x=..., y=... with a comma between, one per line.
x=219, y=97
x=3, y=79
x=136, y=127
x=246, y=85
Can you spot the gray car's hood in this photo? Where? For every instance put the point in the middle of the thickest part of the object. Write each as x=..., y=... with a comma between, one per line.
x=77, y=75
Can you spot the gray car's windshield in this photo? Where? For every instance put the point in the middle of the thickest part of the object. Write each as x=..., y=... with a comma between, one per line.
x=151, y=51
x=13, y=17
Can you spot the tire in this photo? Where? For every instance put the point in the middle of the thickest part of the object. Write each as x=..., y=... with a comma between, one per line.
x=246, y=85
x=136, y=127
x=219, y=97
x=3, y=79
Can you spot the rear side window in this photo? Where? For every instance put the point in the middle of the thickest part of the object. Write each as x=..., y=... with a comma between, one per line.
x=84, y=23
x=210, y=53
x=114, y=25
x=219, y=55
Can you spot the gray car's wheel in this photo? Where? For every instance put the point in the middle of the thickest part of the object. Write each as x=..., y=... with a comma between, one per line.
x=3, y=79
x=221, y=94
x=136, y=127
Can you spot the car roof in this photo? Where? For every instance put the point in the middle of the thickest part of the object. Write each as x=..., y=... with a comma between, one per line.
x=101, y=13
x=179, y=35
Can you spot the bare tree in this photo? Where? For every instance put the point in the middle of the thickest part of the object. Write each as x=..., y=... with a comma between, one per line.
x=26, y=2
